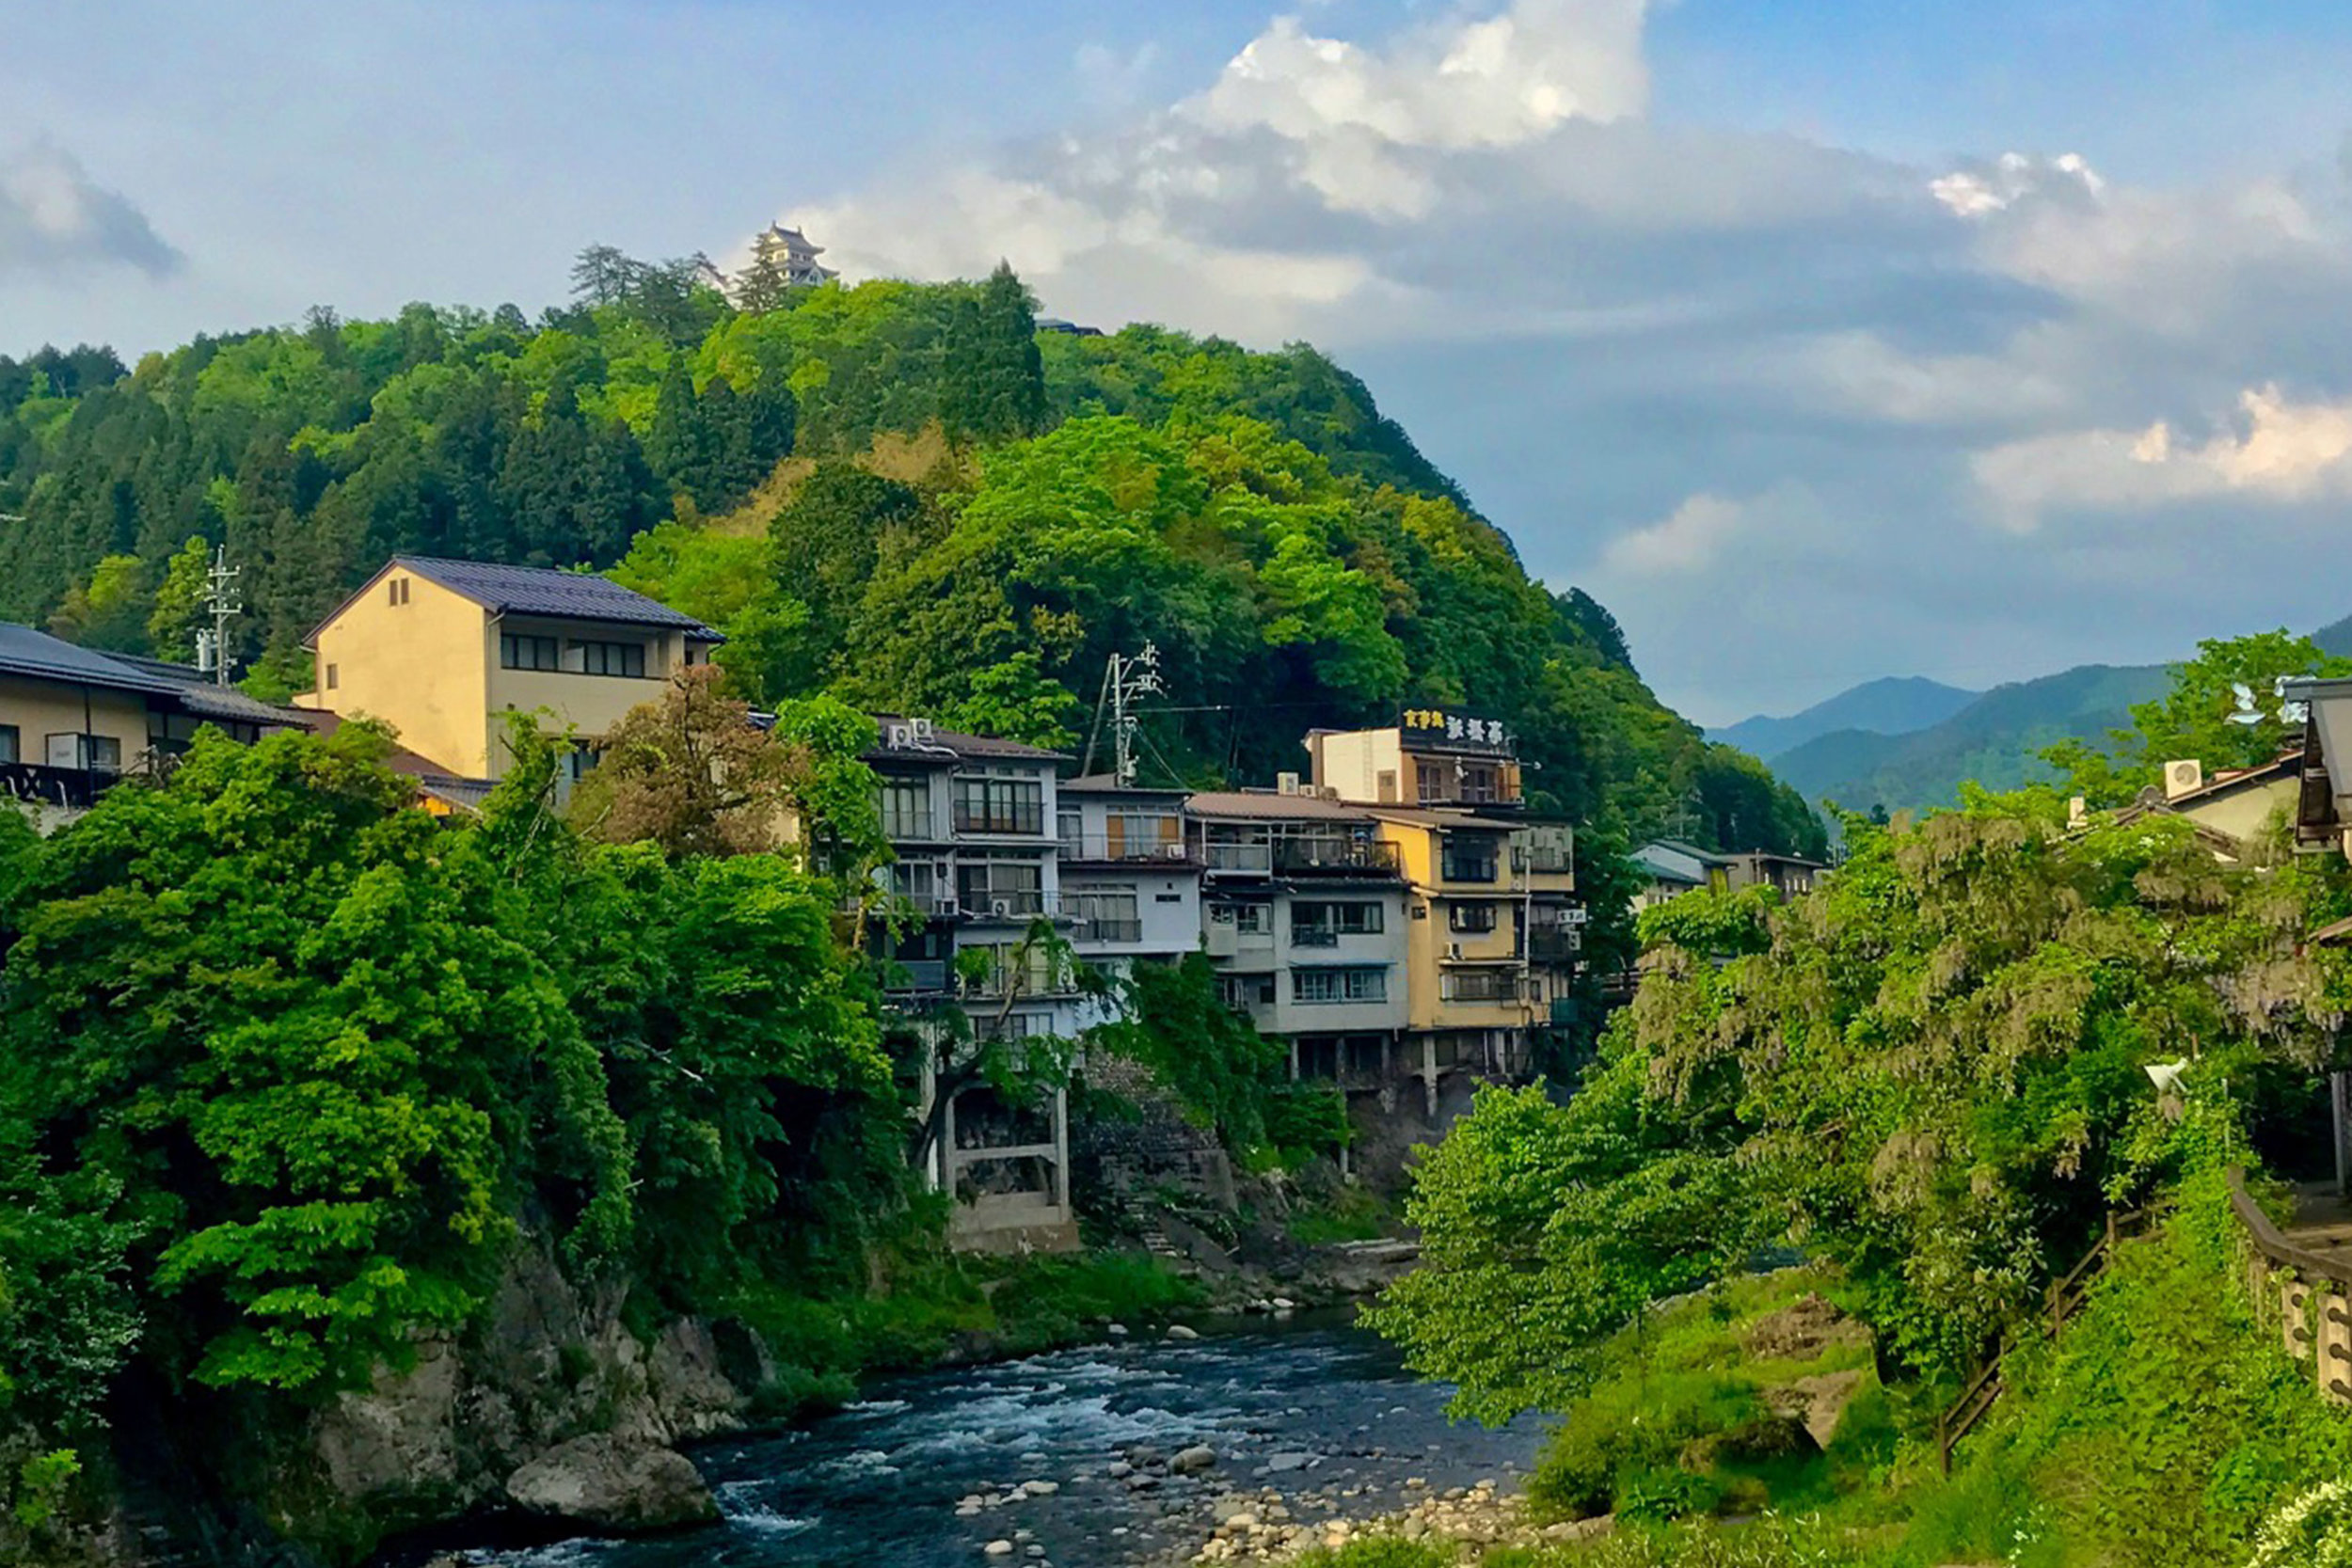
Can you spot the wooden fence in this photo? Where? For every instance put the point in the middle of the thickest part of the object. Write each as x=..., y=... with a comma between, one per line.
x=2061, y=1301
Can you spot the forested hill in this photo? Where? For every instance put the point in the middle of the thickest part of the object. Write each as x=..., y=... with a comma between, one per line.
x=901, y=492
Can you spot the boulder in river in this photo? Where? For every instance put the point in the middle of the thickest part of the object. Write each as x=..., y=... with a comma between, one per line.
x=610, y=1483
x=1194, y=1459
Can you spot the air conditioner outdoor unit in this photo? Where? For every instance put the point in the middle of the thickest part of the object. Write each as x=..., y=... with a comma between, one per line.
x=2182, y=778
x=1453, y=949
x=948, y=906
x=1000, y=906
x=1286, y=783
x=921, y=728
x=898, y=735
x=1173, y=851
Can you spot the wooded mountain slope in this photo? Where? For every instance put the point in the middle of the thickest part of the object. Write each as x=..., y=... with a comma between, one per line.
x=899, y=491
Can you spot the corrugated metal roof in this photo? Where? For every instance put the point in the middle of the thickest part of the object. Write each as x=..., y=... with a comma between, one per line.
x=42, y=657
x=543, y=590
x=1260, y=806
x=1109, y=783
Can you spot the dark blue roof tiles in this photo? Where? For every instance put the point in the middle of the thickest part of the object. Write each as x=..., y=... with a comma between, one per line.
x=543, y=590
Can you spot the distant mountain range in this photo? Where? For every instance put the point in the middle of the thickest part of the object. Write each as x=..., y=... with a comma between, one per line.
x=1906, y=742
x=1893, y=705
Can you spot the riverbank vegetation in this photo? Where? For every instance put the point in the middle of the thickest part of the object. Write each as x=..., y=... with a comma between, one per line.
x=1925, y=1078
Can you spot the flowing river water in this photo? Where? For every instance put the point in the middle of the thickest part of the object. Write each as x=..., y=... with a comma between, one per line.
x=1321, y=1410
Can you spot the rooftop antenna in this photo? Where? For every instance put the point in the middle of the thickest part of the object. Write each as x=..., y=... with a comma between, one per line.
x=1130, y=679
x=222, y=601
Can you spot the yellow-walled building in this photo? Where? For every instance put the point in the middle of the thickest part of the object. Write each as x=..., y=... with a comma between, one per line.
x=1493, y=927
x=442, y=650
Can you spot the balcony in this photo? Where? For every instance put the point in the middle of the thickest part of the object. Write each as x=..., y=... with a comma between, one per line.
x=1097, y=848
x=1481, y=988
x=1104, y=929
x=1314, y=936
x=1553, y=944
x=916, y=976
x=66, y=788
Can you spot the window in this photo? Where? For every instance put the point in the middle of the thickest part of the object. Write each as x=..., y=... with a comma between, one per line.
x=624, y=659
x=331, y=674
x=1251, y=919
x=1471, y=917
x=96, y=753
x=1469, y=860
x=397, y=591
x=12, y=744
x=999, y=805
x=1007, y=886
x=1338, y=985
x=924, y=883
x=1107, y=915
x=522, y=651
x=1069, y=827
x=1245, y=990
x=906, y=808
x=1323, y=924
x=580, y=761
x=1482, y=986
x=1144, y=834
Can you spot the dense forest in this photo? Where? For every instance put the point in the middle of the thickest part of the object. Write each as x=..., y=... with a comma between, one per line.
x=903, y=494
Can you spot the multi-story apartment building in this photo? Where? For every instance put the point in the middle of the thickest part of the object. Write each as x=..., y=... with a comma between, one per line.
x=1493, y=914
x=1130, y=877
x=442, y=650
x=1304, y=916
x=975, y=826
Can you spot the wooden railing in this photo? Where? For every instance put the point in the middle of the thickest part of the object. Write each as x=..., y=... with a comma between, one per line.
x=2308, y=1292
x=2061, y=1301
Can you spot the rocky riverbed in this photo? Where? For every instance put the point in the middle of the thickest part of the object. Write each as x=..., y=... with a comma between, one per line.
x=1241, y=1439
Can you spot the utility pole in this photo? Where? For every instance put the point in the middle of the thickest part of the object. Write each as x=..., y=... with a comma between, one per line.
x=223, y=601
x=1130, y=679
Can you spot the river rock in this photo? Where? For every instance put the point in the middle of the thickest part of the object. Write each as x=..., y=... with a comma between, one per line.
x=1277, y=1464
x=998, y=1548
x=609, y=1483
x=1182, y=1331
x=1194, y=1459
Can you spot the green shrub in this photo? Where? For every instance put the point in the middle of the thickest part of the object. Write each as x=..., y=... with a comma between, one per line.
x=1379, y=1552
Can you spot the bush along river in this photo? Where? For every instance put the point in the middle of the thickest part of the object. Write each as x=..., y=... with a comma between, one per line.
x=1127, y=1452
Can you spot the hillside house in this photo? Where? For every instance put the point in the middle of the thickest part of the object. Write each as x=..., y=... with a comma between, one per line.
x=443, y=650
x=73, y=721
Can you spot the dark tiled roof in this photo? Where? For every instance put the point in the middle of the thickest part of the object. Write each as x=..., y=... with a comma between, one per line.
x=540, y=590
x=949, y=745
x=200, y=696
x=36, y=654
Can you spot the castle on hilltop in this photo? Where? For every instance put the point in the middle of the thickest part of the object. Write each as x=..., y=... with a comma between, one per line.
x=788, y=252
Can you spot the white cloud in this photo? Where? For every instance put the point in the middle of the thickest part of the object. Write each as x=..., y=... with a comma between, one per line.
x=1769, y=397
x=1685, y=539
x=2279, y=452
x=54, y=217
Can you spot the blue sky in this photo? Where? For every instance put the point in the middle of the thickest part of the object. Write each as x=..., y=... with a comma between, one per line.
x=1821, y=340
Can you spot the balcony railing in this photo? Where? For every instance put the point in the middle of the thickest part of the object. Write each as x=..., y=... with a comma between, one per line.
x=1314, y=936
x=70, y=788
x=1475, y=988
x=927, y=977
x=1107, y=930
x=1127, y=850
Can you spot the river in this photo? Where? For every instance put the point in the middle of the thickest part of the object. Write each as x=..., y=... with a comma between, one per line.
x=1313, y=1407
